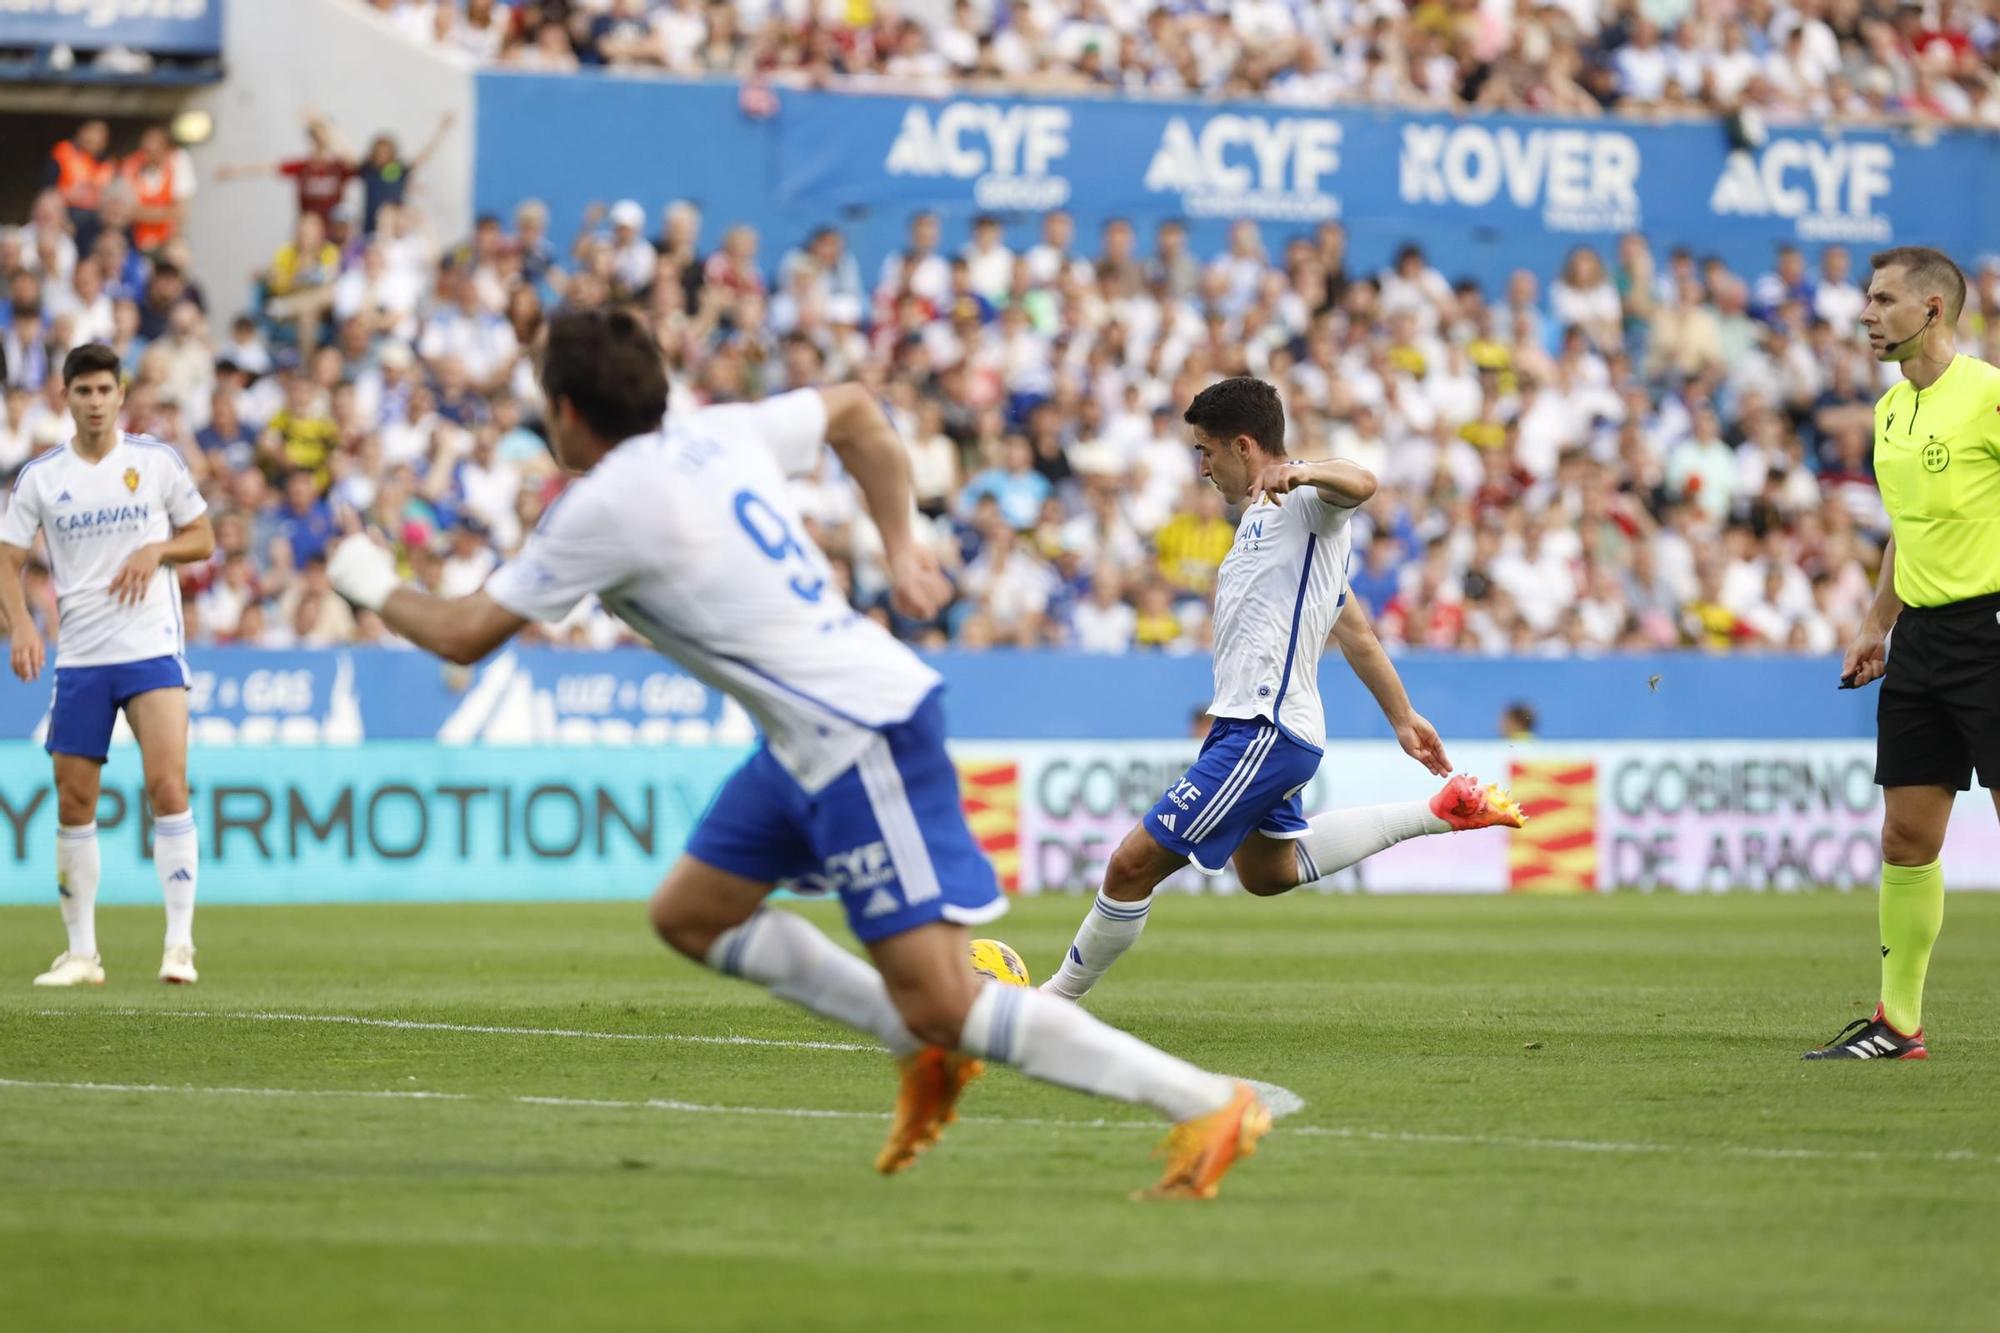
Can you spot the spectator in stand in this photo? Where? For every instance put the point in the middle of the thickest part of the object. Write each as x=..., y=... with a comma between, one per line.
x=1013, y=483
x=80, y=169
x=321, y=176
x=385, y=174
x=161, y=179
x=307, y=521
x=299, y=284
x=300, y=437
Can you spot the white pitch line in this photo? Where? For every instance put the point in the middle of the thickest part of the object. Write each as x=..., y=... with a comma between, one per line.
x=1641, y=1147
x=1282, y=1101
x=413, y=1025
x=570, y=1103
x=402, y=1095
x=1410, y=1137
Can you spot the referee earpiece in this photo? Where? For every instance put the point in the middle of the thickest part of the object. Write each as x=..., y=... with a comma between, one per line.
x=1929, y=315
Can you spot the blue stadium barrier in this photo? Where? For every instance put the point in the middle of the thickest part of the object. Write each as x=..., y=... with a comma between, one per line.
x=630, y=696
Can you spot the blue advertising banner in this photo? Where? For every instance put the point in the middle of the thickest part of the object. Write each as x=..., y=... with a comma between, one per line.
x=180, y=27
x=630, y=698
x=1484, y=195
x=1527, y=178
x=398, y=820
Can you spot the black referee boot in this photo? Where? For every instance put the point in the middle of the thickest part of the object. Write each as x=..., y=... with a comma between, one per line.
x=1872, y=1039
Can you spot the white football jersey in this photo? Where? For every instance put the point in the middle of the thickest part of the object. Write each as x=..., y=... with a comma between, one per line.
x=1276, y=597
x=93, y=517
x=690, y=537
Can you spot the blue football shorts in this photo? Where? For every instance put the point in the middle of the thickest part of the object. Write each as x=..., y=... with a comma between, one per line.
x=888, y=835
x=84, y=707
x=1247, y=778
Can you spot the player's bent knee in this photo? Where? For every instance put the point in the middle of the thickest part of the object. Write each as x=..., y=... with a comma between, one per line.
x=167, y=797
x=1265, y=883
x=678, y=929
x=1129, y=875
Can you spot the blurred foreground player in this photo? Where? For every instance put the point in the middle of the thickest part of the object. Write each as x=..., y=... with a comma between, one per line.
x=117, y=512
x=1937, y=460
x=688, y=535
x=1281, y=592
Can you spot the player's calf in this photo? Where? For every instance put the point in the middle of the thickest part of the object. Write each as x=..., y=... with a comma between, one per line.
x=1117, y=915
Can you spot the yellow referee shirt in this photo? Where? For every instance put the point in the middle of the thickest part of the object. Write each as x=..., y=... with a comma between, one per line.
x=1937, y=460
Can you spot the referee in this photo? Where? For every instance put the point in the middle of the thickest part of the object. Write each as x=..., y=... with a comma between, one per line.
x=1937, y=460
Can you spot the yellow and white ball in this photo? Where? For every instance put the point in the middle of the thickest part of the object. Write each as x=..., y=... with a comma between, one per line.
x=991, y=958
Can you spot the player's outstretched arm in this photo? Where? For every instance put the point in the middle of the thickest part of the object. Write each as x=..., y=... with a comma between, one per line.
x=458, y=629
x=873, y=454
x=1338, y=481
x=1365, y=655
x=25, y=649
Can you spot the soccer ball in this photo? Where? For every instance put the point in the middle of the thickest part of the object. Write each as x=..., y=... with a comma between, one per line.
x=991, y=958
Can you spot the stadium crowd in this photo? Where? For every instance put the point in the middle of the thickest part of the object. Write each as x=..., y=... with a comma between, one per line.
x=1640, y=451
x=1770, y=60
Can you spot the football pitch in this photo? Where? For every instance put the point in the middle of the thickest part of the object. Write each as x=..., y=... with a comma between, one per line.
x=1527, y=1113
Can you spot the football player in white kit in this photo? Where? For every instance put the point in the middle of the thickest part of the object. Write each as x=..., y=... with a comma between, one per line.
x=1281, y=591
x=688, y=534
x=116, y=512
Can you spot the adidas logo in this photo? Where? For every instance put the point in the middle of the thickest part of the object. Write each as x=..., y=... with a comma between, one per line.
x=880, y=903
x=1870, y=1047
x=179, y=877
x=63, y=499
x=1167, y=823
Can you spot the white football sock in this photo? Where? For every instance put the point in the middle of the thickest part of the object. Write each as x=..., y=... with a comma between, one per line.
x=1107, y=932
x=177, y=860
x=792, y=959
x=76, y=880
x=1337, y=839
x=1051, y=1039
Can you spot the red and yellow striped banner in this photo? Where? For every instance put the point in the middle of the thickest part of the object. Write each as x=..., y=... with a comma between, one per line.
x=991, y=792
x=1557, y=851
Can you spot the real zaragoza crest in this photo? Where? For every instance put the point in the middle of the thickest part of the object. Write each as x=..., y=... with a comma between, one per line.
x=132, y=480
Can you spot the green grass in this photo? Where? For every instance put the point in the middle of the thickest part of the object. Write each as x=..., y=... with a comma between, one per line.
x=1522, y=1114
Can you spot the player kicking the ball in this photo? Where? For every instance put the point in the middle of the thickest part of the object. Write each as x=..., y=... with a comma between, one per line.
x=689, y=536
x=1281, y=590
x=116, y=511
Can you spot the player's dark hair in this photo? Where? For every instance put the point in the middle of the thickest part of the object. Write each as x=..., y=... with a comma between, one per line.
x=1930, y=272
x=606, y=363
x=88, y=360
x=1240, y=406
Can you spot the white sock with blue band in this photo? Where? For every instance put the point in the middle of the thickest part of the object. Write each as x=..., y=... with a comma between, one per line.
x=793, y=960
x=1110, y=928
x=177, y=862
x=1054, y=1041
x=1338, y=839
x=76, y=883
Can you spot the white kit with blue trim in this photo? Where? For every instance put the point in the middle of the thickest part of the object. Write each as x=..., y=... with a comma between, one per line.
x=94, y=517
x=1279, y=591
x=690, y=537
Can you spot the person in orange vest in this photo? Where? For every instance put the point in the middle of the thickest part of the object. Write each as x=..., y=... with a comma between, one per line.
x=79, y=169
x=162, y=181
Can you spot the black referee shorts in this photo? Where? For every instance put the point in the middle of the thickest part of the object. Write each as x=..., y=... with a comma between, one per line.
x=1939, y=712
